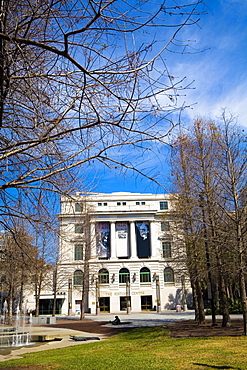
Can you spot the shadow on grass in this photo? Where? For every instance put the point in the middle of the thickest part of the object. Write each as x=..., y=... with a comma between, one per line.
x=217, y=367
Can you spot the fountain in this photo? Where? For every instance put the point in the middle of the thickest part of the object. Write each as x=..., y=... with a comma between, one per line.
x=17, y=335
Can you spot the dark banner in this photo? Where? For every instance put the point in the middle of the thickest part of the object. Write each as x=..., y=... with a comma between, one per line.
x=143, y=239
x=103, y=239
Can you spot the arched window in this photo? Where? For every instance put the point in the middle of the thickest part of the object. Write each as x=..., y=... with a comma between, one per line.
x=78, y=277
x=103, y=276
x=168, y=275
x=145, y=275
x=124, y=275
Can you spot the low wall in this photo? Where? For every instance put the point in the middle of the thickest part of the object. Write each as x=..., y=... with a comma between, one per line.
x=43, y=320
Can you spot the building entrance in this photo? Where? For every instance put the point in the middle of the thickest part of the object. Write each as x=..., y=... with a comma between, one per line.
x=46, y=306
x=146, y=303
x=123, y=303
x=104, y=304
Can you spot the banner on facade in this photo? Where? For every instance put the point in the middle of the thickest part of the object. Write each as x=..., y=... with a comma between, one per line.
x=143, y=239
x=103, y=239
x=122, y=239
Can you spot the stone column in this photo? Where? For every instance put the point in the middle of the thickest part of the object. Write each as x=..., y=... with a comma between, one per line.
x=153, y=243
x=133, y=249
x=93, y=239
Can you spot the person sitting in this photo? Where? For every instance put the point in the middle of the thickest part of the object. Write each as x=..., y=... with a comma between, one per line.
x=116, y=321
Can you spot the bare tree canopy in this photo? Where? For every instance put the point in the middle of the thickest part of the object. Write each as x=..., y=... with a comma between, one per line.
x=88, y=71
x=209, y=169
x=84, y=81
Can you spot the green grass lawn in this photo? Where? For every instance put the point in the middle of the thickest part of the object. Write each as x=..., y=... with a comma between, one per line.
x=142, y=348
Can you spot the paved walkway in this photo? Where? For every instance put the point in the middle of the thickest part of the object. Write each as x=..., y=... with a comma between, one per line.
x=147, y=318
x=9, y=353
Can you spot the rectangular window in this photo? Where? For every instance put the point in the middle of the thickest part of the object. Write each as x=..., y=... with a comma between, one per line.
x=78, y=252
x=164, y=205
x=78, y=229
x=165, y=226
x=105, y=204
x=99, y=204
x=166, y=248
x=137, y=203
x=124, y=203
x=78, y=207
x=118, y=203
x=143, y=203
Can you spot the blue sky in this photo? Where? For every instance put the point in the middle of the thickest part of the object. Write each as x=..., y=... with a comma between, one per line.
x=219, y=72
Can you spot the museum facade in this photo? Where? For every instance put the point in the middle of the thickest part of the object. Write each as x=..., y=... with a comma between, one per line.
x=121, y=252
x=118, y=252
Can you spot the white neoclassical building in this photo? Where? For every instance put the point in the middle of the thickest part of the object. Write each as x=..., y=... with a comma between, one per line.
x=130, y=247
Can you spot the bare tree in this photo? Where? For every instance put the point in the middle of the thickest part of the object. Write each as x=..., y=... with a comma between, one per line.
x=233, y=179
x=84, y=81
x=17, y=252
x=216, y=166
x=203, y=155
x=186, y=206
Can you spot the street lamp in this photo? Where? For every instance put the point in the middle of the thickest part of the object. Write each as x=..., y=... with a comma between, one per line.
x=97, y=294
x=70, y=297
x=157, y=280
x=128, y=296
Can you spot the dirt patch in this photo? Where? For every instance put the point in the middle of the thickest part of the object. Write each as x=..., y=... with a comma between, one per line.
x=89, y=326
x=189, y=328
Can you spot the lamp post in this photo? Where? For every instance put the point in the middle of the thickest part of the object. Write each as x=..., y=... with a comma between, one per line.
x=128, y=296
x=97, y=293
x=184, y=304
x=70, y=297
x=157, y=280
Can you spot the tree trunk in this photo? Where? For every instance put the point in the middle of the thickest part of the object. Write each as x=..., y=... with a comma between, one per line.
x=54, y=304
x=226, y=321
x=201, y=313
x=37, y=297
x=243, y=294
x=54, y=292
x=195, y=301
x=10, y=303
x=21, y=296
x=37, y=306
x=217, y=298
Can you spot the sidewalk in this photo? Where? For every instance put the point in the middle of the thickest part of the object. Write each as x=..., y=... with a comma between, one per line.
x=10, y=353
x=146, y=318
